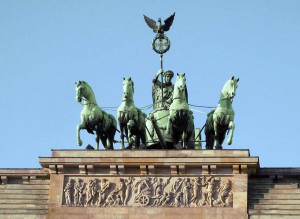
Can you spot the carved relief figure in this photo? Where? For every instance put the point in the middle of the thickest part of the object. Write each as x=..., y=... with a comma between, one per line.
x=120, y=191
x=196, y=185
x=176, y=185
x=143, y=191
x=68, y=191
x=104, y=186
x=210, y=188
x=186, y=185
x=118, y=200
x=167, y=199
x=229, y=199
x=141, y=184
x=90, y=192
x=110, y=199
x=78, y=192
x=128, y=183
x=159, y=186
x=162, y=199
x=177, y=199
x=157, y=200
x=154, y=191
x=224, y=191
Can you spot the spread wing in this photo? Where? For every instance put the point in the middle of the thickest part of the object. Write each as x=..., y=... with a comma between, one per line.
x=168, y=22
x=151, y=23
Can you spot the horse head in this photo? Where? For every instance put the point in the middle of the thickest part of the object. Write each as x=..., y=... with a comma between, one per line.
x=79, y=90
x=84, y=91
x=180, y=83
x=229, y=89
x=128, y=88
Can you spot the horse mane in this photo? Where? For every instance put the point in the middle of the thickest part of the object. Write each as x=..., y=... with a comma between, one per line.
x=90, y=89
x=226, y=84
x=86, y=84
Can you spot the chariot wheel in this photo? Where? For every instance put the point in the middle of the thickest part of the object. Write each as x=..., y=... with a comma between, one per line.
x=144, y=200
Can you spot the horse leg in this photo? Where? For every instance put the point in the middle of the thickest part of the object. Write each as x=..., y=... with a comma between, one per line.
x=97, y=141
x=111, y=138
x=185, y=128
x=231, y=127
x=221, y=138
x=137, y=141
x=126, y=133
x=122, y=135
x=184, y=139
x=169, y=125
x=143, y=136
x=103, y=139
x=191, y=137
x=216, y=136
x=78, y=128
x=129, y=135
x=209, y=136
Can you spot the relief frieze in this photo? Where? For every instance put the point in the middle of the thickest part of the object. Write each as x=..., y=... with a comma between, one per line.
x=204, y=191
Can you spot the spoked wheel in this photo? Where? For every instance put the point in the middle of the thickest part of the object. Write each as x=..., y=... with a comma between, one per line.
x=144, y=200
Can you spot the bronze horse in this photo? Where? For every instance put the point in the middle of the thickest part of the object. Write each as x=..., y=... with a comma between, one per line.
x=131, y=119
x=93, y=119
x=221, y=119
x=181, y=119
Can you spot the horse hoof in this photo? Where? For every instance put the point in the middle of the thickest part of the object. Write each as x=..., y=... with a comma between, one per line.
x=110, y=148
x=218, y=147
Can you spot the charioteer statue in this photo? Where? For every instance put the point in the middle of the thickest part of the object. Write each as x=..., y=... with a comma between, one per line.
x=167, y=86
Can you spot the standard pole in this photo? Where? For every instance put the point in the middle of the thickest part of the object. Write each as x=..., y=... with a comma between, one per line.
x=162, y=82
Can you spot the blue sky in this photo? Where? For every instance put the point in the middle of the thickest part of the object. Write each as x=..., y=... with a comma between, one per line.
x=45, y=46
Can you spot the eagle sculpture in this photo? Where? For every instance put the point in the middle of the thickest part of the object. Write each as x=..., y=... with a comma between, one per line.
x=160, y=28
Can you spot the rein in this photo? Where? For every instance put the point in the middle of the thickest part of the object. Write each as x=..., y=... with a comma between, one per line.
x=178, y=98
x=180, y=91
x=83, y=104
x=226, y=98
x=125, y=99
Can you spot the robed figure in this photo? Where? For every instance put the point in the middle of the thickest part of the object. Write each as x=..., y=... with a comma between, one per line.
x=168, y=87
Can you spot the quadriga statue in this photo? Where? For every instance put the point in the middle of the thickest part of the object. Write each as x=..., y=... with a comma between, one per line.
x=131, y=119
x=93, y=119
x=220, y=120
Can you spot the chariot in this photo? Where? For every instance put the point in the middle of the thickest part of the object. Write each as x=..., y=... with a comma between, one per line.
x=143, y=198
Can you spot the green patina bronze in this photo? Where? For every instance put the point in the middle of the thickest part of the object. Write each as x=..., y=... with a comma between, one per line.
x=158, y=119
x=93, y=119
x=220, y=120
x=171, y=123
x=160, y=28
x=167, y=92
x=160, y=43
x=131, y=119
x=181, y=119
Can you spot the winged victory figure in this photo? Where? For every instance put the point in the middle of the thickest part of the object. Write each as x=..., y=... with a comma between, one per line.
x=160, y=28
